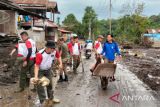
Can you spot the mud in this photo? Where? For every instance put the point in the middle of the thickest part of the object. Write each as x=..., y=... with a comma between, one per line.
x=6, y=63
x=84, y=90
x=147, y=67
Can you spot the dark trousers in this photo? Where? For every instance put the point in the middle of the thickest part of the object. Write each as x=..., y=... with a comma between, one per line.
x=98, y=61
x=40, y=89
x=25, y=74
x=76, y=62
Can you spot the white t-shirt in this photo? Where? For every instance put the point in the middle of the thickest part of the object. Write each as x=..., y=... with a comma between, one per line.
x=99, y=49
x=89, y=46
x=76, y=49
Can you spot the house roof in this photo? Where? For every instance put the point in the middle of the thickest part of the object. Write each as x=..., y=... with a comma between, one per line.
x=64, y=31
x=32, y=2
x=47, y=23
x=38, y=4
x=153, y=31
x=9, y=5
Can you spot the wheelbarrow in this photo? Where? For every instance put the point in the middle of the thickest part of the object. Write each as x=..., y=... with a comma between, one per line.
x=105, y=71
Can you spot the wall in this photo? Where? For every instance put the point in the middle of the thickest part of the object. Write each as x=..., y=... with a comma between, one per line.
x=10, y=26
x=37, y=36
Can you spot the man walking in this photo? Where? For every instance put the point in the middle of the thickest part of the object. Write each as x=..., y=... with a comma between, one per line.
x=29, y=52
x=70, y=49
x=63, y=49
x=98, y=50
x=76, y=53
x=110, y=49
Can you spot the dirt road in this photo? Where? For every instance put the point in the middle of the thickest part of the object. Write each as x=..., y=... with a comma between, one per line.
x=83, y=90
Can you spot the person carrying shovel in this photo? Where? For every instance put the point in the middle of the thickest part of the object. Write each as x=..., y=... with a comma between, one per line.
x=43, y=64
x=76, y=48
x=63, y=50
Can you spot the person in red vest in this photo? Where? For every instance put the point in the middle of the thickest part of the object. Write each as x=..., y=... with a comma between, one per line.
x=70, y=44
x=98, y=50
x=20, y=48
x=75, y=52
x=44, y=61
x=29, y=53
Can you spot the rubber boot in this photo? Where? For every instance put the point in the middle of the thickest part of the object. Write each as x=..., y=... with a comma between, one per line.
x=66, y=78
x=60, y=79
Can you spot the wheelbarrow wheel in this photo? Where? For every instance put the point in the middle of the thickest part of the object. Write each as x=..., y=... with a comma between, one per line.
x=104, y=82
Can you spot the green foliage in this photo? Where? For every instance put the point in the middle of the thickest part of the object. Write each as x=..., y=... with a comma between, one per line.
x=90, y=17
x=72, y=24
x=154, y=21
x=127, y=28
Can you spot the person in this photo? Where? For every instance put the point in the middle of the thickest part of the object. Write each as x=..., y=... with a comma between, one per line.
x=19, y=47
x=28, y=62
x=111, y=48
x=88, y=46
x=70, y=44
x=43, y=64
x=76, y=48
x=98, y=50
x=63, y=49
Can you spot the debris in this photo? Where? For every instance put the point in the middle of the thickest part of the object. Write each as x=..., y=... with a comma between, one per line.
x=77, y=94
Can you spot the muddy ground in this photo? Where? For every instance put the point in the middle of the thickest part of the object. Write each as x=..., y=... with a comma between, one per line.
x=146, y=65
x=84, y=90
x=6, y=64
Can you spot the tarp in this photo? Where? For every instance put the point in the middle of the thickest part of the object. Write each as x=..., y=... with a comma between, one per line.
x=156, y=37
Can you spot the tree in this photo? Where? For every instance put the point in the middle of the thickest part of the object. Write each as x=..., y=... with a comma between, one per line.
x=133, y=25
x=72, y=24
x=89, y=19
x=154, y=21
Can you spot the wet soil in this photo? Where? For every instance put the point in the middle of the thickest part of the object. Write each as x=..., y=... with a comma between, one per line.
x=84, y=90
x=146, y=67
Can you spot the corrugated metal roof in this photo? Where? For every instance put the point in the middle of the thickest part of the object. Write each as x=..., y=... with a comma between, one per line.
x=64, y=31
x=32, y=2
x=9, y=5
x=38, y=4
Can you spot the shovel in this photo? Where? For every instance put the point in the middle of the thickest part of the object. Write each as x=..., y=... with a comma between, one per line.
x=82, y=64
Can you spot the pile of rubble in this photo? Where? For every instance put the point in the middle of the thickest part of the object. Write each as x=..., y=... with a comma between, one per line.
x=7, y=40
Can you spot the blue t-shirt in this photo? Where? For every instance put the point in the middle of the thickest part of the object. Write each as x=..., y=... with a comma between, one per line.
x=109, y=50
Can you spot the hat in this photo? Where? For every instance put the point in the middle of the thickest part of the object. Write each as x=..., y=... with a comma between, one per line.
x=61, y=38
x=74, y=36
x=100, y=36
x=50, y=44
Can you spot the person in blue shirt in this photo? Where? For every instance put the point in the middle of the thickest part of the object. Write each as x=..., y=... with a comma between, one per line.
x=111, y=51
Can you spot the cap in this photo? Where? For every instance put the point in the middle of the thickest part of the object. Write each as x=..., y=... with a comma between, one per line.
x=100, y=36
x=50, y=44
x=74, y=36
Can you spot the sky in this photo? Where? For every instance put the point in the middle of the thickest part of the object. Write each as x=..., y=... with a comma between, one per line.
x=101, y=7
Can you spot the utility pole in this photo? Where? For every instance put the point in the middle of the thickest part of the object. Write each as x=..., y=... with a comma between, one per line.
x=110, y=19
x=89, y=29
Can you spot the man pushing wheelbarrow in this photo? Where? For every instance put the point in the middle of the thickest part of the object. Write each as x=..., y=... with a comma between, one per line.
x=106, y=71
